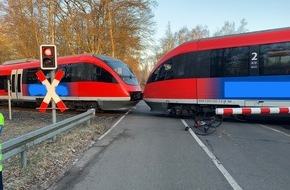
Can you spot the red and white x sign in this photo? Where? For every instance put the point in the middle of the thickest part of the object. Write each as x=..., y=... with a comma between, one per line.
x=51, y=94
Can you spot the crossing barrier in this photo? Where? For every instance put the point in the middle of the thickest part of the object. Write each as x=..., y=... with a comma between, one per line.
x=248, y=111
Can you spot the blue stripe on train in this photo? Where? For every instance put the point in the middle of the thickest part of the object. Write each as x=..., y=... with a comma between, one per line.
x=40, y=90
x=251, y=89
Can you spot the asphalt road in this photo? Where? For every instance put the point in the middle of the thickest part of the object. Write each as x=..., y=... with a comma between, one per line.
x=152, y=151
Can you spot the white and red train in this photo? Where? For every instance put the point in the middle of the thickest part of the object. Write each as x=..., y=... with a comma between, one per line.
x=243, y=70
x=89, y=80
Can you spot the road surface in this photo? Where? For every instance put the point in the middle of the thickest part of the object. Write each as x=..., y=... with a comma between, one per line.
x=153, y=151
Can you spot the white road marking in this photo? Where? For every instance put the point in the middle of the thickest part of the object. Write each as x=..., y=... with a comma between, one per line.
x=276, y=130
x=101, y=137
x=218, y=164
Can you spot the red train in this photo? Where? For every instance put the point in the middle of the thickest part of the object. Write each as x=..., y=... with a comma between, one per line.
x=244, y=70
x=89, y=80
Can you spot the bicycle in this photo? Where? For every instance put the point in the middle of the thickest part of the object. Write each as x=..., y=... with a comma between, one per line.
x=204, y=123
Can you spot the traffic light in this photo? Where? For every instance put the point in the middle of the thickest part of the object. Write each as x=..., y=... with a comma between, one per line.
x=48, y=57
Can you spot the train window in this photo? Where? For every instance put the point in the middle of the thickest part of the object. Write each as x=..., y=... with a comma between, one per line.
x=153, y=76
x=103, y=75
x=180, y=66
x=85, y=72
x=29, y=76
x=230, y=62
x=237, y=61
x=3, y=82
x=67, y=77
x=185, y=65
x=158, y=73
x=275, y=59
x=122, y=69
x=216, y=63
x=164, y=72
x=18, y=83
x=76, y=72
x=203, y=64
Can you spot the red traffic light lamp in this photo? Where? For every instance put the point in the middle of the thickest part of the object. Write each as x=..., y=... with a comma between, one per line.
x=48, y=57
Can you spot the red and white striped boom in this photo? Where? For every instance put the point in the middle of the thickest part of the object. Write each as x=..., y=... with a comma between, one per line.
x=248, y=111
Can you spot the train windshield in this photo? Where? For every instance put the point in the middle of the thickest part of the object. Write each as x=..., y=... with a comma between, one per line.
x=121, y=69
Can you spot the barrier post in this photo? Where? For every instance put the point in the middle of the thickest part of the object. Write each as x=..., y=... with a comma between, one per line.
x=1, y=127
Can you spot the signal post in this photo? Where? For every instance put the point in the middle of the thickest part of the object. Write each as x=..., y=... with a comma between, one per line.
x=48, y=61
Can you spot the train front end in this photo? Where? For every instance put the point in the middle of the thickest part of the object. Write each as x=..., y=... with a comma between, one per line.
x=128, y=91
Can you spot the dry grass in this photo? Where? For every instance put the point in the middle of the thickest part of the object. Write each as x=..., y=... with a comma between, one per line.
x=49, y=160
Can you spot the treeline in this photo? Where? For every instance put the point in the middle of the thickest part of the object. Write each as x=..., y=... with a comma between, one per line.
x=117, y=28
x=123, y=29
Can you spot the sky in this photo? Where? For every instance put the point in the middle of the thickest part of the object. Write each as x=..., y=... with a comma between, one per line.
x=259, y=14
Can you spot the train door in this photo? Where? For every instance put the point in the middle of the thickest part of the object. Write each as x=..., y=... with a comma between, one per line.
x=16, y=81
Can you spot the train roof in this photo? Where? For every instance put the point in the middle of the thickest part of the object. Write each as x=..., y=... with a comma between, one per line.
x=235, y=40
x=28, y=62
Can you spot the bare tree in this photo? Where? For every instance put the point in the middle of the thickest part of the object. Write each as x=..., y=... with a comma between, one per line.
x=169, y=41
x=242, y=28
x=118, y=28
x=230, y=28
x=183, y=35
x=199, y=32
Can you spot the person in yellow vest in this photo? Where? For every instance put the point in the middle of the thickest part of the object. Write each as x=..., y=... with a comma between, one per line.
x=1, y=127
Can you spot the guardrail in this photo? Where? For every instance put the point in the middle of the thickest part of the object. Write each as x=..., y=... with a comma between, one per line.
x=21, y=144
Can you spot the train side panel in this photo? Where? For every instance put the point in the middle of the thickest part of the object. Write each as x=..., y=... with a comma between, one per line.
x=79, y=87
x=245, y=91
x=250, y=69
x=158, y=94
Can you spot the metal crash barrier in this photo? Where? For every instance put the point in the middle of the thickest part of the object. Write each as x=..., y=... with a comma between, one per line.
x=21, y=144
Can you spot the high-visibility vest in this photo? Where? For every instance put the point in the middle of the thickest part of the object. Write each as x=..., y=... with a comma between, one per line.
x=1, y=125
x=0, y=157
x=1, y=120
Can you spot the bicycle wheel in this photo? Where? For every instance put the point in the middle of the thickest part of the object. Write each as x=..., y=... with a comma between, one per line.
x=217, y=120
x=204, y=127
x=204, y=123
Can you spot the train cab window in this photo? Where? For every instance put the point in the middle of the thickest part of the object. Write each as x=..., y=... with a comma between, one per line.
x=154, y=75
x=181, y=66
x=166, y=71
x=122, y=69
x=103, y=75
x=158, y=74
x=275, y=59
x=163, y=72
